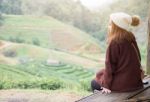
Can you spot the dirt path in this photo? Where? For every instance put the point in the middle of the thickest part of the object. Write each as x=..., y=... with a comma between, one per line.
x=4, y=45
x=37, y=96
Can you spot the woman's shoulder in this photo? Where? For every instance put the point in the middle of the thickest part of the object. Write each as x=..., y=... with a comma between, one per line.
x=120, y=44
x=113, y=45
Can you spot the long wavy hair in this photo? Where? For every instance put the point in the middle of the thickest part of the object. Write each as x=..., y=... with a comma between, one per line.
x=118, y=34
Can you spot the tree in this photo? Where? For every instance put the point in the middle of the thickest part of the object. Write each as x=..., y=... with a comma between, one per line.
x=11, y=6
x=1, y=19
x=148, y=47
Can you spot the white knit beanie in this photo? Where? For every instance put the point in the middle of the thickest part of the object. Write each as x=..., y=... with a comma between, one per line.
x=122, y=20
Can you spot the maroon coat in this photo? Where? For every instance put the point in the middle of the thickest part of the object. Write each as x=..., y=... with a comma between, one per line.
x=122, y=71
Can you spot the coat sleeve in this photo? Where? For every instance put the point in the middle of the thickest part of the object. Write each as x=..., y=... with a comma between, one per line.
x=138, y=51
x=135, y=43
x=112, y=55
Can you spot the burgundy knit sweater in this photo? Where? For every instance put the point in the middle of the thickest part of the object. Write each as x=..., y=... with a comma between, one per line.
x=122, y=71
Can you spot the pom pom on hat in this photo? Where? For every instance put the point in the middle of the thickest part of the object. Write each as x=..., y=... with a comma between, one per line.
x=135, y=20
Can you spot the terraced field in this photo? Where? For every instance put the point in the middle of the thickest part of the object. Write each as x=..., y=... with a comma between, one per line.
x=70, y=74
x=21, y=36
x=74, y=72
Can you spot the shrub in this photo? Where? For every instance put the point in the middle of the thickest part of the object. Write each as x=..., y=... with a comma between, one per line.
x=51, y=84
x=1, y=19
x=10, y=53
x=12, y=39
x=19, y=39
x=36, y=41
x=46, y=84
x=16, y=39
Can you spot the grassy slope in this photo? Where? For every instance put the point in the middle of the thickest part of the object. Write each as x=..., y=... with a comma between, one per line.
x=35, y=74
x=73, y=74
x=39, y=53
x=50, y=32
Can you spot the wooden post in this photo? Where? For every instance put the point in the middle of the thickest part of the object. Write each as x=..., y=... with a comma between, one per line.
x=148, y=48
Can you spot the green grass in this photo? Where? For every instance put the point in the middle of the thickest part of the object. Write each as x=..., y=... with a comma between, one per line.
x=31, y=52
x=37, y=74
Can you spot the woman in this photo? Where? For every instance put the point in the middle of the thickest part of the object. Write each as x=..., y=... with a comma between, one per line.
x=122, y=71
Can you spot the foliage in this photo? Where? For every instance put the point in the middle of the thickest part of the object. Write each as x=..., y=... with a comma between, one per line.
x=68, y=11
x=10, y=53
x=11, y=6
x=39, y=75
x=49, y=84
x=17, y=39
x=1, y=19
x=36, y=41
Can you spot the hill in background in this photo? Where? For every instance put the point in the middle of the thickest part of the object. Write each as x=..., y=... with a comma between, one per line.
x=49, y=33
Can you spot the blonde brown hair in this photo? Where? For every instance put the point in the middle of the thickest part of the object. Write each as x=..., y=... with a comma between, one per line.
x=118, y=34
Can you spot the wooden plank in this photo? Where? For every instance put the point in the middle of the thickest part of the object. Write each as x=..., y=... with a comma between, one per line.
x=147, y=92
x=113, y=97
x=144, y=94
x=99, y=97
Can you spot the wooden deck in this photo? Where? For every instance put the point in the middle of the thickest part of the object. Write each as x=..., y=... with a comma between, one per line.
x=118, y=97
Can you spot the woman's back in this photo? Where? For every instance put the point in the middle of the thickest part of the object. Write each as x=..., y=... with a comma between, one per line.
x=125, y=64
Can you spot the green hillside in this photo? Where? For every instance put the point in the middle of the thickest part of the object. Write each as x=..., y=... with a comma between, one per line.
x=16, y=53
x=25, y=66
x=21, y=68
x=28, y=43
x=49, y=33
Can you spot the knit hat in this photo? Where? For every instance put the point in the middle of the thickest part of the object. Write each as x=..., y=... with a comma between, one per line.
x=124, y=20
